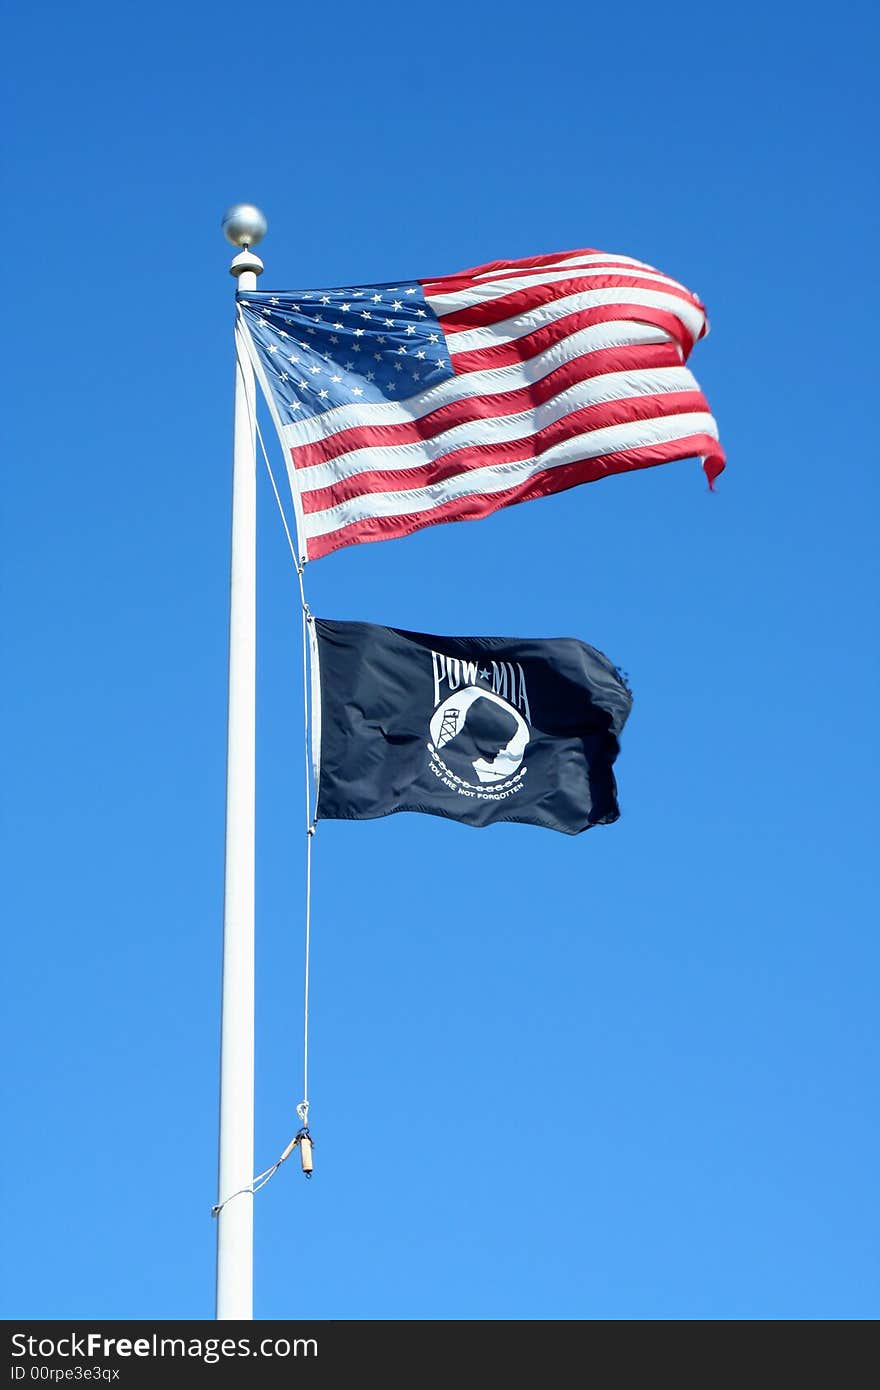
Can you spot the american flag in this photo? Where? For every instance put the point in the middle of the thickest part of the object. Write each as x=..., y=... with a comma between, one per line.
x=401, y=406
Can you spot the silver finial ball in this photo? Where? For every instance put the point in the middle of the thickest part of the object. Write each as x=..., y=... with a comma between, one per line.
x=243, y=224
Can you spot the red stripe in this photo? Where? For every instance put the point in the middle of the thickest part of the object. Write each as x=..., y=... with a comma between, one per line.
x=525, y=263
x=530, y=297
x=453, y=284
x=510, y=451
x=643, y=356
x=530, y=344
x=541, y=485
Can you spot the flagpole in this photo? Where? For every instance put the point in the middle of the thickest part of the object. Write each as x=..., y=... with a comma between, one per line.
x=243, y=225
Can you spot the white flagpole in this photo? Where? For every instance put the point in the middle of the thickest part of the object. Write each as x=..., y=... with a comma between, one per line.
x=244, y=225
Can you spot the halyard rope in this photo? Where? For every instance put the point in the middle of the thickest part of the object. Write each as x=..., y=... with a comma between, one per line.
x=310, y=823
x=302, y=1109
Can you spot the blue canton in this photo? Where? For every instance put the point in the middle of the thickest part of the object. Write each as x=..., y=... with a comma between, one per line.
x=325, y=348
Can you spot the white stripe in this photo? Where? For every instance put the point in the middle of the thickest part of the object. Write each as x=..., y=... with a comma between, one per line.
x=496, y=289
x=500, y=477
x=473, y=339
x=498, y=429
x=492, y=382
x=581, y=259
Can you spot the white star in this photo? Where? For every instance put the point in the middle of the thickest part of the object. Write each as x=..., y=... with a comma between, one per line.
x=310, y=330
x=282, y=334
x=284, y=376
x=485, y=674
x=366, y=314
x=411, y=290
x=392, y=386
x=348, y=366
x=389, y=323
x=359, y=332
x=303, y=385
x=398, y=366
x=397, y=304
x=441, y=362
x=293, y=358
x=416, y=376
x=357, y=391
x=325, y=299
x=334, y=337
x=314, y=369
x=345, y=308
x=274, y=347
x=317, y=319
x=337, y=325
x=381, y=338
x=273, y=300
x=420, y=356
x=336, y=378
x=433, y=338
x=294, y=406
x=322, y=395
x=371, y=376
x=377, y=356
x=410, y=328
x=420, y=314
x=401, y=351
x=377, y=299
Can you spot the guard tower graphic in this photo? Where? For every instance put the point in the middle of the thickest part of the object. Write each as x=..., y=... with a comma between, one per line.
x=449, y=727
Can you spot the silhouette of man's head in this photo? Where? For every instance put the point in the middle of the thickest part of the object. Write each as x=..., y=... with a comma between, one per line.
x=486, y=730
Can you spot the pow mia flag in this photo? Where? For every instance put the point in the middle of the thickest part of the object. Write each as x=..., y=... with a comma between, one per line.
x=478, y=729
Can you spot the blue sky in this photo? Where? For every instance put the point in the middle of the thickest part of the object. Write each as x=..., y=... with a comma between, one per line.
x=627, y=1075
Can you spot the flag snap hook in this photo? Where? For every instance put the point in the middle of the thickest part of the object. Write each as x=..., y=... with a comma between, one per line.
x=304, y=1139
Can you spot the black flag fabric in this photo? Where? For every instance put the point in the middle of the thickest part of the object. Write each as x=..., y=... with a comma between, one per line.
x=477, y=729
